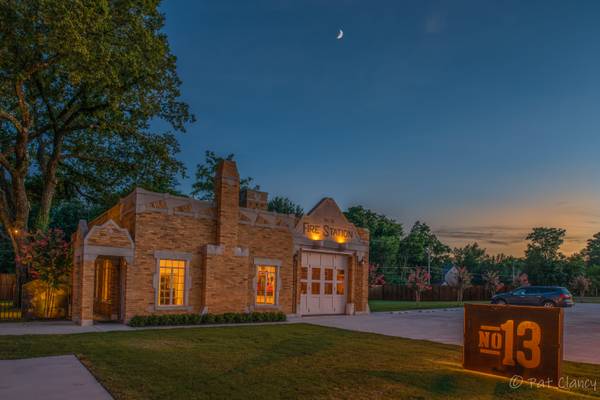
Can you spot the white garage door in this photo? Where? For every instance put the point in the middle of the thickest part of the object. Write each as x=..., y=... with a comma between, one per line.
x=323, y=283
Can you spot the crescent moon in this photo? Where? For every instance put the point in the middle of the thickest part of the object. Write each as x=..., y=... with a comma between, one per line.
x=340, y=34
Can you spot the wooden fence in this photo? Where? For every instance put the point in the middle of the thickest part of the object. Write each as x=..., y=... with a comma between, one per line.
x=8, y=286
x=437, y=293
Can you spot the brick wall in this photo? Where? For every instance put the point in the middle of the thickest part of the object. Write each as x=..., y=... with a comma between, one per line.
x=222, y=247
x=160, y=231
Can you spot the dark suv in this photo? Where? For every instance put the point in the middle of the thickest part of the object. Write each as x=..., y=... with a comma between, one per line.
x=546, y=296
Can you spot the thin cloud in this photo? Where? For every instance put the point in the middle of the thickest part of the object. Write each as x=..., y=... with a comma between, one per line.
x=509, y=239
x=435, y=23
x=486, y=234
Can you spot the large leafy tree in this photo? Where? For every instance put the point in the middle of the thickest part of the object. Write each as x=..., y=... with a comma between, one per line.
x=504, y=265
x=545, y=242
x=81, y=81
x=283, y=205
x=204, y=186
x=543, y=261
x=471, y=256
x=592, y=250
x=593, y=272
x=421, y=246
x=385, y=236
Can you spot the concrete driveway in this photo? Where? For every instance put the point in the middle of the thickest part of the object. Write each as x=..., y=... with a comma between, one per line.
x=49, y=378
x=582, y=327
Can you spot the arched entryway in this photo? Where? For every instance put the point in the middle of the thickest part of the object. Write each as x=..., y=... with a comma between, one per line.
x=101, y=256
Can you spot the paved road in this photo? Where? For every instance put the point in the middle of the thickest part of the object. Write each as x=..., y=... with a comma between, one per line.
x=582, y=327
x=49, y=378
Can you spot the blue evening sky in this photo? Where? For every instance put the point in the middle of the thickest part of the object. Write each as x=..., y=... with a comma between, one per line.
x=480, y=118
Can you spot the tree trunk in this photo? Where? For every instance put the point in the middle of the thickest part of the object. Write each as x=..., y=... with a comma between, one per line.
x=49, y=174
x=42, y=219
x=16, y=227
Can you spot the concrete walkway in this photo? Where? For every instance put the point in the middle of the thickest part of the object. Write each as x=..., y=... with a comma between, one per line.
x=49, y=378
x=68, y=327
x=581, y=341
x=56, y=328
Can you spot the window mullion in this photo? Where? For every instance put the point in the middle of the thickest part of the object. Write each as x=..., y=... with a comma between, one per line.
x=171, y=287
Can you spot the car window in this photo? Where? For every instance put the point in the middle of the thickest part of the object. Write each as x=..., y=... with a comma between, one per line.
x=519, y=292
x=534, y=290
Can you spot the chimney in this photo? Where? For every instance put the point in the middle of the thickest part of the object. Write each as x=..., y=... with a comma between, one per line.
x=254, y=199
x=227, y=197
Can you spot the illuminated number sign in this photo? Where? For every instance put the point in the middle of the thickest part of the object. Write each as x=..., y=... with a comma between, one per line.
x=514, y=340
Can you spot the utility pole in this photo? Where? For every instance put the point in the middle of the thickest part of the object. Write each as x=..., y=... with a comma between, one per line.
x=513, y=272
x=428, y=250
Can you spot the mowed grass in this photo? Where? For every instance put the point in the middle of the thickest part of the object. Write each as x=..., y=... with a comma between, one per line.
x=275, y=361
x=387, y=305
x=579, y=299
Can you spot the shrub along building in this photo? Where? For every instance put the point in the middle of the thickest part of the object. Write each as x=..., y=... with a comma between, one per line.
x=156, y=253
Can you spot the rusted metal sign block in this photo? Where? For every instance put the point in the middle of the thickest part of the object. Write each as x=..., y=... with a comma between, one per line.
x=514, y=340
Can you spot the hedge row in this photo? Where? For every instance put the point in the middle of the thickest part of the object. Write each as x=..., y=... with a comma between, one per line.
x=197, y=319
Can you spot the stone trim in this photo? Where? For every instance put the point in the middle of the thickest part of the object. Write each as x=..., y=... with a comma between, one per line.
x=267, y=261
x=241, y=252
x=172, y=255
x=214, y=249
x=199, y=208
x=109, y=222
x=323, y=245
x=173, y=308
x=90, y=253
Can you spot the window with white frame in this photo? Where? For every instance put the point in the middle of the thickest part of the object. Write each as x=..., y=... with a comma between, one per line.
x=266, y=284
x=171, y=289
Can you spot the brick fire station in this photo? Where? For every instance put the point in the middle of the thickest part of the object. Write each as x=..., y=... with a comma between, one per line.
x=155, y=253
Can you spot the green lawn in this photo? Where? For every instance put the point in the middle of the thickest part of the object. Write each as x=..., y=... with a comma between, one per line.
x=275, y=361
x=386, y=305
x=579, y=299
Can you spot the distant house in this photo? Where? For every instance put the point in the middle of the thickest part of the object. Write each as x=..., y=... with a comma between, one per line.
x=155, y=253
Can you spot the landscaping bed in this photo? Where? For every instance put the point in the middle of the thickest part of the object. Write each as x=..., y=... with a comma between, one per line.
x=275, y=361
x=206, y=319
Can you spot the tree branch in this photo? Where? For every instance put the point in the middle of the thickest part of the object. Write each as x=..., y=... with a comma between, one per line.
x=12, y=119
x=6, y=164
x=4, y=205
x=23, y=107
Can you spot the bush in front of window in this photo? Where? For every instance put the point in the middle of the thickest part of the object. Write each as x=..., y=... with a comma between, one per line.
x=206, y=319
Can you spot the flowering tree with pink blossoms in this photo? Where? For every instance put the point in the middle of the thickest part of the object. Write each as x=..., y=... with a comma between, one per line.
x=376, y=278
x=48, y=256
x=418, y=280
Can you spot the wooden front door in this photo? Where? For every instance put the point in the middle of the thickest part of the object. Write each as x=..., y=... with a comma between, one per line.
x=107, y=289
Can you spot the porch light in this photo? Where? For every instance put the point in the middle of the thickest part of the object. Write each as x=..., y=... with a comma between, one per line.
x=315, y=236
x=340, y=239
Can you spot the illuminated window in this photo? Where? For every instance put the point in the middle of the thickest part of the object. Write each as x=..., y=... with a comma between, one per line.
x=172, y=282
x=340, y=282
x=328, y=282
x=266, y=284
x=303, y=280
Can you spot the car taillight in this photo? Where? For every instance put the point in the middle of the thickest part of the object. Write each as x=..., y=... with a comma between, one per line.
x=565, y=296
